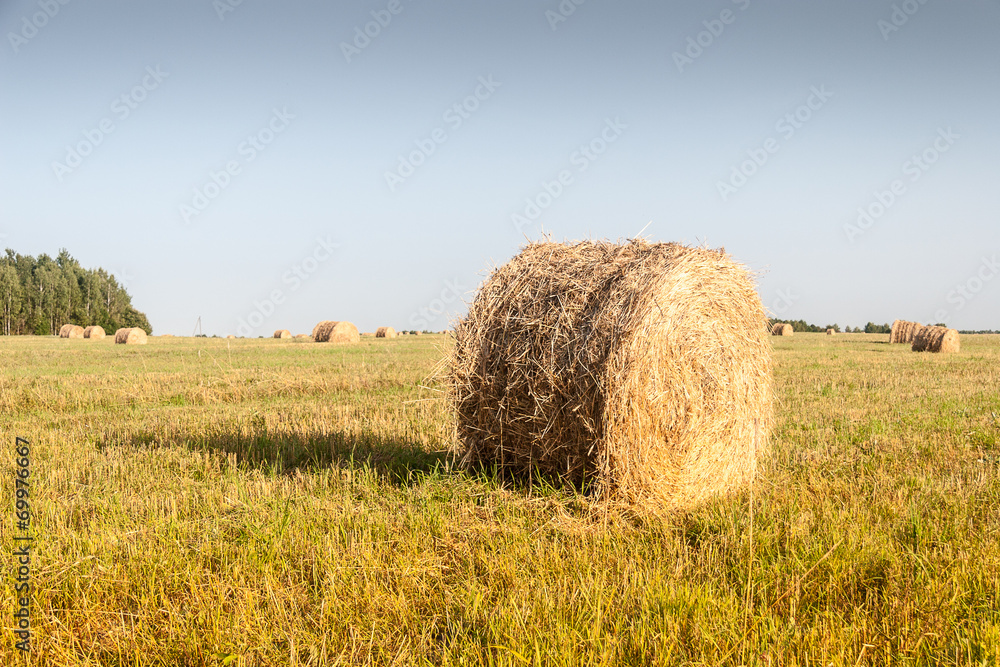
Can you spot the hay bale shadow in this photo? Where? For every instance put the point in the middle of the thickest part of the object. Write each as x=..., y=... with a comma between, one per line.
x=395, y=461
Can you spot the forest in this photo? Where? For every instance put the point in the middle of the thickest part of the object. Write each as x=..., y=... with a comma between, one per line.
x=39, y=295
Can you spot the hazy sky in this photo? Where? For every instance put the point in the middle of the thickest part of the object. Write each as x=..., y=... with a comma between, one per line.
x=278, y=164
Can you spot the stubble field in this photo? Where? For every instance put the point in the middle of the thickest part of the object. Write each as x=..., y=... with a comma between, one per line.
x=275, y=502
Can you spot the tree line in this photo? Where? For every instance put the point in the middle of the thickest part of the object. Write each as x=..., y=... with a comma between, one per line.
x=39, y=295
x=871, y=327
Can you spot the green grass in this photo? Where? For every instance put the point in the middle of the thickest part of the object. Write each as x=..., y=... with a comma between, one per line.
x=264, y=502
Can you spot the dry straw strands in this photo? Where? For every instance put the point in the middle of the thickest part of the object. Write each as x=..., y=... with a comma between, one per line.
x=385, y=332
x=781, y=329
x=329, y=331
x=94, y=333
x=282, y=333
x=642, y=368
x=903, y=331
x=936, y=339
x=130, y=336
x=71, y=331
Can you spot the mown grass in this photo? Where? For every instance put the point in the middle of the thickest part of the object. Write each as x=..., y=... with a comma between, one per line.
x=264, y=502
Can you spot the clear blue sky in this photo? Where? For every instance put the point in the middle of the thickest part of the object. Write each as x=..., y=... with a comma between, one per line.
x=608, y=119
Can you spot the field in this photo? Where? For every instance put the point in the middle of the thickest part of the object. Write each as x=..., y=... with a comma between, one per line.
x=268, y=502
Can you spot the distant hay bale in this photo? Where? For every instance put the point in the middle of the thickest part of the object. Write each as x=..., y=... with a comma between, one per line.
x=130, y=336
x=71, y=331
x=782, y=329
x=230, y=336
x=64, y=329
x=936, y=339
x=282, y=333
x=903, y=331
x=416, y=333
x=303, y=336
x=831, y=332
x=642, y=369
x=94, y=333
x=385, y=332
x=329, y=331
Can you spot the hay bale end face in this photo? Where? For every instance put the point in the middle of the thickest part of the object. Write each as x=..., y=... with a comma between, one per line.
x=282, y=333
x=641, y=369
x=385, y=332
x=904, y=331
x=64, y=329
x=329, y=331
x=936, y=339
x=130, y=336
x=94, y=333
x=782, y=329
x=74, y=331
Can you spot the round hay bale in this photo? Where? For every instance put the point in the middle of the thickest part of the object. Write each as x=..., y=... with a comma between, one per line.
x=831, y=332
x=782, y=329
x=94, y=333
x=303, y=336
x=640, y=368
x=64, y=329
x=337, y=332
x=282, y=333
x=320, y=326
x=73, y=331
x=936, y=339
x=231, y=336
x=903, y=331
x=130, y=336
x=385, y=332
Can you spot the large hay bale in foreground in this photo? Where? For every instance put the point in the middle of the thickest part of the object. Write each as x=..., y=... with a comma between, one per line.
x=782, y=329
x=329, y=331
x=130, y=336
x=94, y=333
x=385, y=332
x=936, y=339
x=282, y=333
x=904, y=331
x=642, y=369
